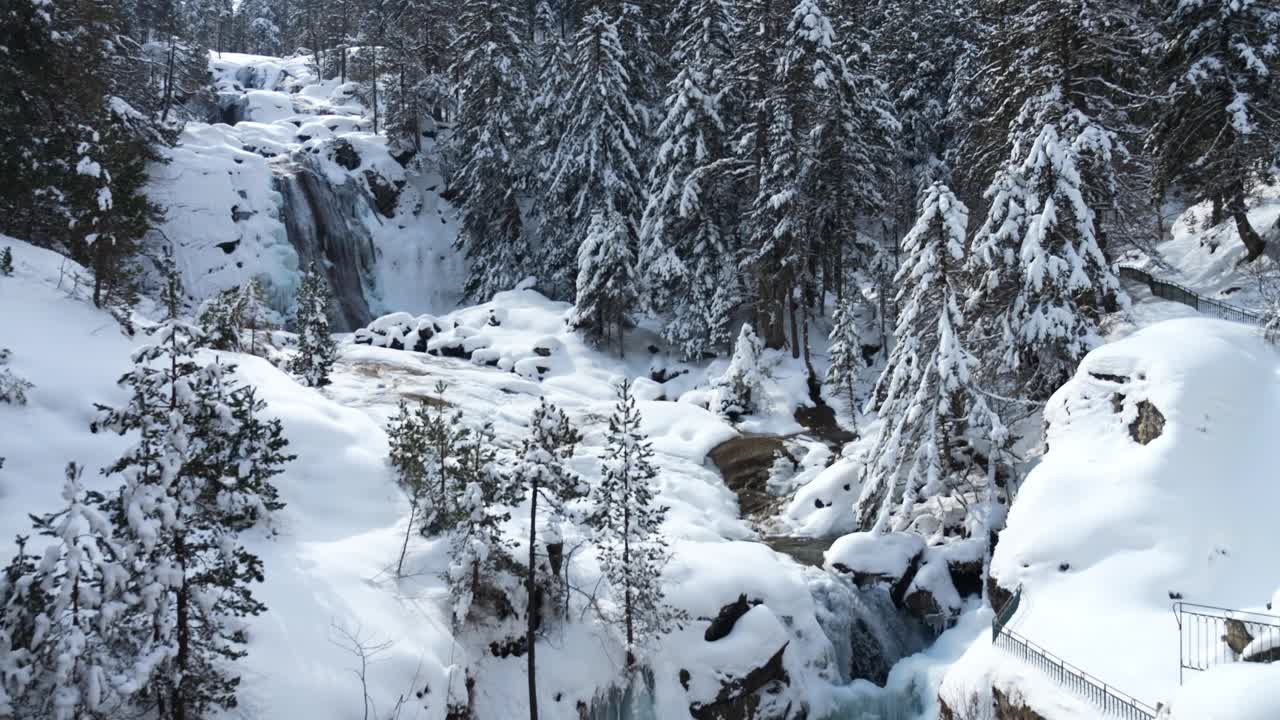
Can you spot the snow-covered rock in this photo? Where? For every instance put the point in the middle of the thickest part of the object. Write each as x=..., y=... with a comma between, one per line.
x=1106, y=530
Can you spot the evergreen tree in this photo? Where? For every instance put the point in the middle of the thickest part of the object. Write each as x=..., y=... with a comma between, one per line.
x=606, y=279
x=847, y=360
x=192, y=479
x=221, y=318
x=686, y=232
x=61, y=656
x=1051, y=284
x=925, y=393
x=424, y=445
x=478, y=550
x=542, y=469
x=6, y=261
x=317, y=350
x=407, y=440
x=595, y=168
x=263, y=35
x=627, y=523
x=255, y=314
x=740, y=390
x=13, y=389
x=1217, y=126
x=489, y=140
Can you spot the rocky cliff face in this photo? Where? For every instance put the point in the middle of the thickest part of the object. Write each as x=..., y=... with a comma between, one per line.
x=286, y=172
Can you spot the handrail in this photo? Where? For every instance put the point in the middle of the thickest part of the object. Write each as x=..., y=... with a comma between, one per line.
x=1209, y=635
x=1182, y=294
x=1108, y=699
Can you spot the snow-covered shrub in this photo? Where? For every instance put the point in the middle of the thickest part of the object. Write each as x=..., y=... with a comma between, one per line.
x=6, y=261
x=13, y=389
x=740, y=390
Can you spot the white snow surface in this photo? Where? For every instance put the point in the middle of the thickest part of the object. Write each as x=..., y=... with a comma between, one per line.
x=223, y=216
x=328, y=566
x=1104, y=529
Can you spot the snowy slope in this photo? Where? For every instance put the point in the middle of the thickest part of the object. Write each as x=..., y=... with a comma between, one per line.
x=227, y=217
x=1106, y=530
x=328, y=563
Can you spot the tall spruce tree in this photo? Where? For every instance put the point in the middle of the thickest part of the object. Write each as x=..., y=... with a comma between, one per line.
x=924, y=395
x=544, y=473
x=479, y=552
x=627, y=523
x=596, y=168
x=606, y=279
x=1217, y=128
x=490, y=138
x=686, y=234
x=192, y=480
x=847, y=360
x=317, y=350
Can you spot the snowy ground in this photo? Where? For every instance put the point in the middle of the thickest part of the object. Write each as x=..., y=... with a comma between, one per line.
x=327, y=566
x=224, y=211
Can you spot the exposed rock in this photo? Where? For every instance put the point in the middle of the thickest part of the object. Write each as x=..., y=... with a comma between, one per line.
x=1012, y=707
x=509, y=647
x=385, y=195
x=997, y=594
x=739, y=698
x=1238, y=636
x=728, y=616
x=344, y=153
x=744, y=463
x=867, y=659
x=1149, y=424
x=967, y=577
x=922, y=604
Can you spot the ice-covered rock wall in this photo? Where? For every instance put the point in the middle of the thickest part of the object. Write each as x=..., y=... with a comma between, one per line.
x=288, y=173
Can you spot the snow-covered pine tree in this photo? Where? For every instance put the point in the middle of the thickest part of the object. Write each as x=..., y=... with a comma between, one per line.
x=59, y=652
x=686, y=230
x=740, y=390
x=255, y=315
x=542, y=468
x=262, y=33
x=407, y=441
x=478, y=550
x=255, y=455
x=221, y=318
x=606, y=280
x=1217, y=124
x=6, y=261
x=317, y=350
x=191, y=482
x=490, y=138
x=626, y=523
x=13, y=389
x=847, y=360
x=1063, y=278
x=924, y=394
x=596, y=169
x=851, y=148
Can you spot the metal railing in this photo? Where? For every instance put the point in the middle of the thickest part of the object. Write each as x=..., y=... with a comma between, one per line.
x=1214, y=636
x=1111, y=701
x=1178, y=293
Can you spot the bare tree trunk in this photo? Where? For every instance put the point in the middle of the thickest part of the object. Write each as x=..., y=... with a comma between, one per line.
x=184, y=631
x=530, y=589
x=1253, y=242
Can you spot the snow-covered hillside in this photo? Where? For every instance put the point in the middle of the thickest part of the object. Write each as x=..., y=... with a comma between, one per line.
x=292, y=174
x=1156, y=486
x=329, y=562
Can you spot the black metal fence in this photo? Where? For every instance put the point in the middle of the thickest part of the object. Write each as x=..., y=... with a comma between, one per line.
x=1213, y=636
x=1186, y=296
x=1111, y=701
